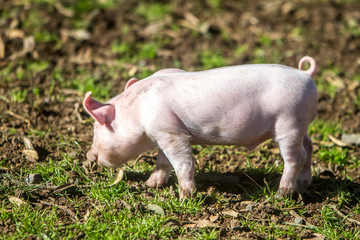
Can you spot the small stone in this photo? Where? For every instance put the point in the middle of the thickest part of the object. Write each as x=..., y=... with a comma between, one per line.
x=299, y=220
x=351, y=139
x=34, y=178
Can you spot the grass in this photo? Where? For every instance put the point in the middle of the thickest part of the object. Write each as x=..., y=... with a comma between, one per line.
x=321, y=130
x=18, y=95
x=103, y=218
x=100, y=210
x=103, y=222
x=334, y=155
x=334, y=227
x=212, y=59
x=152, y=11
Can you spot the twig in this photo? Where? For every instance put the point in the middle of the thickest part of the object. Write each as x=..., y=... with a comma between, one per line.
x=63, y=188
x=289, y=208
x=267, y=187
x=4, y=169
x=20, y=117
x=343, y=215
x=312, y=227
x=77, y=112
x=252, y=180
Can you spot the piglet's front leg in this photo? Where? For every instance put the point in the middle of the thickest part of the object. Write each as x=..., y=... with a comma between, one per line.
x=160, y=175
x=177, y=149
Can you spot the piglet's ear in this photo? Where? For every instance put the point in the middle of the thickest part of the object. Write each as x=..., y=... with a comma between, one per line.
x=130, y=82
x=102, y=113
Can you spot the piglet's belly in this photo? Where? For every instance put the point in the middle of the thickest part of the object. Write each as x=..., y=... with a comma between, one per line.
x=250, y=136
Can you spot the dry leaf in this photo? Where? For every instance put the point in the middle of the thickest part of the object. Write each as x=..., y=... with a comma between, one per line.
x=30, y=152
x=334, y=80
x=231, y=213
x=275, y=150
x=191, y=18
x=189, y=225
x=119, y=177
x=2, y=48
x=154, y=27
x=28, y=143
x=132, y=70
x=29, y=46
x=164, y=53
x=87, y=215
x=205, y=223
x=31, y=155
x=337, y=141
x=4, y=169
x=353, y=85
x=64, y=11
x=317, y=237
x=79, y=34
x=213, y=218
x=16, y=200
x=14, y=33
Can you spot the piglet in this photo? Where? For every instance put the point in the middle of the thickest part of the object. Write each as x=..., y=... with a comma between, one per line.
x=236, y=105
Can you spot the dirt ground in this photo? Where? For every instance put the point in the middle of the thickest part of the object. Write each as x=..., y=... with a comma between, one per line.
x=285, y=31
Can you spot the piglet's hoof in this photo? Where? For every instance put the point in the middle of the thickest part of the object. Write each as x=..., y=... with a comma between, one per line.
x=286, y=192
x=151, y=183
x=157, y=179
x=186, y=193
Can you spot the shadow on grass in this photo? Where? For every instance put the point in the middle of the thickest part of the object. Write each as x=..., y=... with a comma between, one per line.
x=329, y=186
x=250, y=184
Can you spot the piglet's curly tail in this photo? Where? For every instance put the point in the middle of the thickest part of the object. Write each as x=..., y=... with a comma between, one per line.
x=312, y=63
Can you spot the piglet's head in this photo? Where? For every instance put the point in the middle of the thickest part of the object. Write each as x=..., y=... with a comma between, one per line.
x=103, y=148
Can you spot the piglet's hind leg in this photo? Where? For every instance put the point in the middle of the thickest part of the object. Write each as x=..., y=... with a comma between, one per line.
x=290, y=137
x=305, y=178
x=294, y=156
